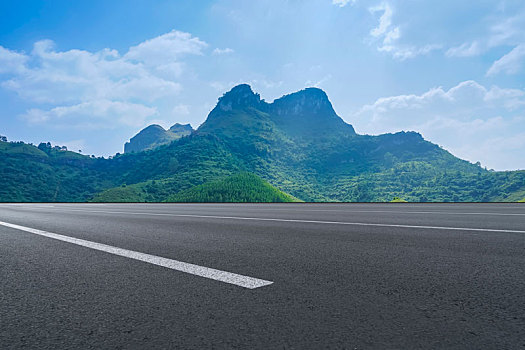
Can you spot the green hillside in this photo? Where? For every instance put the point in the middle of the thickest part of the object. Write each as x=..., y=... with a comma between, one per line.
x=46, y=174
x=297, y=144
x=240, y=188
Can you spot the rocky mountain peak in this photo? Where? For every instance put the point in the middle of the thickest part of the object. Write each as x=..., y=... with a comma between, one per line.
x=181, y=128
x=308, y=101
x=154, y=136
x=240, y=96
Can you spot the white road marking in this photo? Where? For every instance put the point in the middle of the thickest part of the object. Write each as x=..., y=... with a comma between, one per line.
x=218, y=275
x=301, y=221
x=28, y=205
x=33, y=206
x=351, y=211
x=378, y=211
x=415, y=212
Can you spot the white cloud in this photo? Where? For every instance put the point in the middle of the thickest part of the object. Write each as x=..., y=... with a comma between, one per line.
x=503, y=33
x=77, y=75
x=343, y=3
x=99, y=114
x=225, y=51
x=508, y=31
x=385, y=21
x=11, y=61
x=392, y=36
x=388, y=34
x=98, y=85
x=468, y=119
x=465, y=50
x=166, y=48
x=403, y=53
x=511, y=63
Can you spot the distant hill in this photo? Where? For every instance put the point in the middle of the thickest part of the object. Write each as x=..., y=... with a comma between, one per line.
x=154, y=136
x=240, y=188
x=297, y=143
x=47, y=174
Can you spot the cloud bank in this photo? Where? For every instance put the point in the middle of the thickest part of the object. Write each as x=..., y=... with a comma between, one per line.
x=98, y=89
x=470, y=120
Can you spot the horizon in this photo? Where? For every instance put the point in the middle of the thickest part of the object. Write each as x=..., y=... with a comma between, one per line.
x=88, y=77
x=262, y=174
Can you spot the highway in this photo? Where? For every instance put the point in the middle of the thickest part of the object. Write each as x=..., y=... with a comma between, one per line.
x=263, y=276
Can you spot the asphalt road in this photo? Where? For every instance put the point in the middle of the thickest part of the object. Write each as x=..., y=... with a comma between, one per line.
x=341, y=276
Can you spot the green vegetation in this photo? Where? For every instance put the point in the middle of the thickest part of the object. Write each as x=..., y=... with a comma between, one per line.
x=155, y=136
x=522, y=201
x=243, y=188
x=398, y=200
x=47, y=174
x=296, y=144
x=124, y=194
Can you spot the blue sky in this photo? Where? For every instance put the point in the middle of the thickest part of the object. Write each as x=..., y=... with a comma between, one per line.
x=90, y=74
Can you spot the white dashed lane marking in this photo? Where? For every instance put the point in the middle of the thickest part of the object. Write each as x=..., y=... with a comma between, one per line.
x=206, y=272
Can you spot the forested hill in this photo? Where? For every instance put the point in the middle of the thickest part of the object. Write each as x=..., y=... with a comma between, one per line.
x=242, y=187
x=297, y=143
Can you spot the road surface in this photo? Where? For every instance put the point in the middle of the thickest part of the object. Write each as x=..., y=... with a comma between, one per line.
x=303, y=276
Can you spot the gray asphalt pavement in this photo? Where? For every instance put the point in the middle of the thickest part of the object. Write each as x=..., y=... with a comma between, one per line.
x=345, y=276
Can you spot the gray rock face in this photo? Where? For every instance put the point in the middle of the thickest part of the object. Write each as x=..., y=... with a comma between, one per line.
x=238, y=97
x=308, y=113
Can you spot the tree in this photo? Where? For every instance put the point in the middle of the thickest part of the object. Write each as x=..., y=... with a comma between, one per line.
x=43, y=146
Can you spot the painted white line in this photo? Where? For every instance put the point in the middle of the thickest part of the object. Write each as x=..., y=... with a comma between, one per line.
x=283, y=208
x=27, y=205
x=217, y=275
x=418, y=212
x=300, y=221
x=350, y=211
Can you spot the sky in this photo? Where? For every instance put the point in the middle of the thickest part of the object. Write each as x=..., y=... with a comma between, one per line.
x=91, y=74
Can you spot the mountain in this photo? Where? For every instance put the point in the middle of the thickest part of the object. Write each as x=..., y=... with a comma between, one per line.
x=305, y=116
x=300, y=145
x=154, y=136
x=297, y=143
